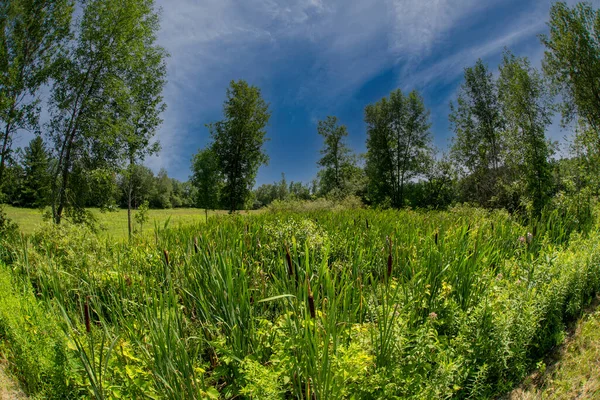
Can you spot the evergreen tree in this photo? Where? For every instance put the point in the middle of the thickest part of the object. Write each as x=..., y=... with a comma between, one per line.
x=35, y=189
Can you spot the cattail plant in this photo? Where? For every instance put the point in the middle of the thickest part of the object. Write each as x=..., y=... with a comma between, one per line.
x=288, y=259
x=311, y=299
x=86, y=314
x=166, y=255
x=389, y=260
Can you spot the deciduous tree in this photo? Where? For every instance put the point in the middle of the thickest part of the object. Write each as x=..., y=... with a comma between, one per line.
x=92, y=85
x=32, y=34
x=476, y=119
x=238, y=141
x=572, y=60
x=526, y=106
x=337, y=159
x=398, y=145
x=207, y=179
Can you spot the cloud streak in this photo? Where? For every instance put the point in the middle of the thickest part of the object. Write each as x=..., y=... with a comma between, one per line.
x=314, y=54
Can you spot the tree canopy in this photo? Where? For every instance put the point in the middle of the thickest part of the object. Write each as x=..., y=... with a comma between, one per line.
x=238, y=141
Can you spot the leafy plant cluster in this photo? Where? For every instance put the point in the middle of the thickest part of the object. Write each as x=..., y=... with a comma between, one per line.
x=348, y=304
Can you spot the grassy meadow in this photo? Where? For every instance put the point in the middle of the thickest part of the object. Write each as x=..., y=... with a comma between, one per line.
x=113, y=223
x=347, y=304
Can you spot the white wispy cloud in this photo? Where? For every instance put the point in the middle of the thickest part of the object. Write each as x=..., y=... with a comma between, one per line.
x=347, y=42
x=419, y=25
x=214, y=41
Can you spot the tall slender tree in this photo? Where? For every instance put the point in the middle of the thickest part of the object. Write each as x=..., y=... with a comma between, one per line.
x=572, y=60
x=32, y=34
x=92, y=85
x=398, y=144
x=238, y=141
x=477, y=123
x=141, y=107
x=207, y=178
x=526, y=106
x=337, y=159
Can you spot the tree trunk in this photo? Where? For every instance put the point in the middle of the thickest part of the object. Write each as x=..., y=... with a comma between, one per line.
x=129, y=195
x=5, y=141
x=3, y=153
x=129, y=212
x=62, y=195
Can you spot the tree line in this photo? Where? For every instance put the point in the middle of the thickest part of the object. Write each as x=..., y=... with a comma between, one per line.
x=105, y=73
x=30, y=174
x=500, y=155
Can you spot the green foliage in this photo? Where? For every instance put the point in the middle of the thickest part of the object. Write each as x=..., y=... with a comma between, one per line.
x=7, y=226
x=32, y=35
x=477, y=121
x=95, y=103
x=163, y=191
x=238, y=141
x=572, y=59
x=268, y=193
x=347, y=304
x=140, y=181
x=398, y=145
x=526, y=108
x=141, y=215
x=337, y=163
x=35, y=190
x=207, y=179
x=320, y=204
x=32, y=342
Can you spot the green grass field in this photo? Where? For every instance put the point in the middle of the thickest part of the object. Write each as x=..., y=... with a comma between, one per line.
x=114, y=223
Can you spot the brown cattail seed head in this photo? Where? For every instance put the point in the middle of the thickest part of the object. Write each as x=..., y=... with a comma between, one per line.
x=288, y=258
x=196, y=249
x=311, y=301
x=166, y=254
x=389, y=261
x=86, y=314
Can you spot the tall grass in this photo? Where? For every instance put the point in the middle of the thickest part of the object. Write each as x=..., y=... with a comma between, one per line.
x=313, y=305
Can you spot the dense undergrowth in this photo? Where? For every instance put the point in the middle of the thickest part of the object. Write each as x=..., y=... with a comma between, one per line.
x=319, y=305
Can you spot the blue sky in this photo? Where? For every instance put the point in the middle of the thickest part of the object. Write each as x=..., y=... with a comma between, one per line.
x=313, y=58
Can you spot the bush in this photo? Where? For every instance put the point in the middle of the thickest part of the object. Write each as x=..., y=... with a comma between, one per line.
x=33, y=342
x=320, y=204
